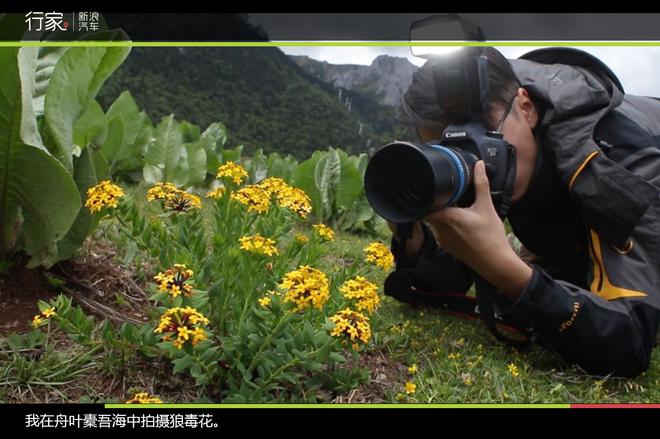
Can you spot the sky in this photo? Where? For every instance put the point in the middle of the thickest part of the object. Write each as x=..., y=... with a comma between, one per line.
x=638, y=68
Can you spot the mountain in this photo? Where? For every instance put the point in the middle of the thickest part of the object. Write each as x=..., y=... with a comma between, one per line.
x=386, y=79
x=264, y=98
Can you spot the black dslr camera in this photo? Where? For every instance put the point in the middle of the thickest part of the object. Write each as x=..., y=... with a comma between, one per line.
x=406, y=181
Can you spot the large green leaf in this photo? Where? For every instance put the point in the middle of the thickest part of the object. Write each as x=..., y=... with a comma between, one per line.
x=213, y=139
x=30, y=178
x=89, y=169
x=123, y=150
x=91, y=127
x=326, y=177
x=349, y=186
x=165, y=153
x=303, y=178
x=78, y=75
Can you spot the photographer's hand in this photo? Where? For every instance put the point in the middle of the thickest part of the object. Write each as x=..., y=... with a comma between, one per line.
x=476, y=236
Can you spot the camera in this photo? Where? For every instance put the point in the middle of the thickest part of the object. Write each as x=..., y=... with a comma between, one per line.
x=406, y=181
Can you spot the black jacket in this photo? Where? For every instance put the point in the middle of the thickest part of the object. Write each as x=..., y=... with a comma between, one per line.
x=591, y=218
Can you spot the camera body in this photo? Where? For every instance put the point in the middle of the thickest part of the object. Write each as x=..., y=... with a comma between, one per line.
x=406, y=181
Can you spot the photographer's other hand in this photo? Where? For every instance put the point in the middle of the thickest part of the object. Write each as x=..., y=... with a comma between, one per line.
x=476, y=236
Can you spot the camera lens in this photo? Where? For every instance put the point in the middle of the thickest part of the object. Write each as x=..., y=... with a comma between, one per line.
x=405, y=182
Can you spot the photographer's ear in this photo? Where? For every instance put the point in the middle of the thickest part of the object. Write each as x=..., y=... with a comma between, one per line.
x=526, y=108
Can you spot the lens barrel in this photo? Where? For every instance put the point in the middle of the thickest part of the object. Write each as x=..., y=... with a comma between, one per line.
x=405, y=181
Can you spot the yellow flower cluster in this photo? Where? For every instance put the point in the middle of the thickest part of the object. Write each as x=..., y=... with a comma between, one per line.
x=104, y=194
x=380, y=255
x=182, y=324
x=410, y=388
x=254, y=197
x=144, y=398
x=288, y=197
x=513, y=370
x=161, y=191
x=353, y=326
x=173, y=198
x=324, y=231
x=302, y=238
x=258, y=244
x=40, y=318
x=233, y=171
x=216, y=193
x=273, y=185
x=174, y=281
x=364, y=291
x=306, y=287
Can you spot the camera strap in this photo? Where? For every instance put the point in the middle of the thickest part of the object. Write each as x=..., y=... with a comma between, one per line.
x=507, y=191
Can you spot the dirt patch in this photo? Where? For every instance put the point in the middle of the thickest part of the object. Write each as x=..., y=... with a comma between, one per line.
x=20, y=290
x=386, y=377
x=98, y=284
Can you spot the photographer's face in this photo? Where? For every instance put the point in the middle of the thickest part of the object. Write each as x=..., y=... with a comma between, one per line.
x=517, y=129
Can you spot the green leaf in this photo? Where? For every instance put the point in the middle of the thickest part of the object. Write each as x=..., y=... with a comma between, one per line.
x=30, y=178
x=164, y=155
x=78, y=76
x=326, y=177
x=349, y=185
x=303, y=178
x=125, y=148
x=183, y=363
x=91, y=127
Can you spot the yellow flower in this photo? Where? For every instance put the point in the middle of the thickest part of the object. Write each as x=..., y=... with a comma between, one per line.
x=37, y=321
x=182, y=323
x=351, y=325
x=412, y=369
x=104, y=194
x=410, y=388
x=50, y=312
x=175, y=281
x=233, y=171
x=364, y=291
x=295, y=200
x=306, y=287
x=160, y=191
x=264, y=302
x=258, y=244
x=454, y=356
x=380, y=255
x=466, y=378
x=173, y=198
x=144, y=398
x=273, y=185
x=513, y=369
x=252, y=196
x=324, y=231
x=40, y=318
x=182, y=201
x=301, y=238
x=216, y=193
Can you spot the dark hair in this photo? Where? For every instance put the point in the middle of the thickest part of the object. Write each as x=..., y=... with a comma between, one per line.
x=420, y=105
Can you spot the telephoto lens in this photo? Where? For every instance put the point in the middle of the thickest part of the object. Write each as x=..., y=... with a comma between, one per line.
x=405, y=182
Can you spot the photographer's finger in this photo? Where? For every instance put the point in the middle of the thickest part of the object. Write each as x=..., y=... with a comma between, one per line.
x=481, y=184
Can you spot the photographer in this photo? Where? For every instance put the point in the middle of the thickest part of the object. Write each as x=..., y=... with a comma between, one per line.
x=585, y=205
